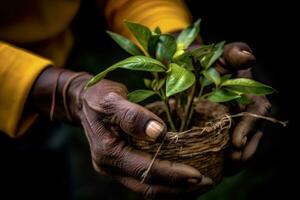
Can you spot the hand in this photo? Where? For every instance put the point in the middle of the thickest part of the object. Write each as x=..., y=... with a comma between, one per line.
x=238, y=59
x=107, y=117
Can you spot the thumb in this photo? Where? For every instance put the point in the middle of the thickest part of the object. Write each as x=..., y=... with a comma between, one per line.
x=138, y=121
x=133, y=119
x=237, y=56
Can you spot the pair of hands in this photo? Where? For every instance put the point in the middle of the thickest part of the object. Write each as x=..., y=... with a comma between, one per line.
x=106, y=116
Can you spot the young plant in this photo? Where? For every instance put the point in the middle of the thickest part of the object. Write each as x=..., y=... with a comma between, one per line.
x=177, y=72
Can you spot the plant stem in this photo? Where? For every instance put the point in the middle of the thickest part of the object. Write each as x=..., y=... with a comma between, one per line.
x=205, y=95
x=178, y=107
x=201, y=91
x=188, y=110
x=167, y=109
x=169, y=117
x=191, y=112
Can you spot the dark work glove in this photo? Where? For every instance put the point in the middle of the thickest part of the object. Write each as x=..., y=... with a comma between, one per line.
x=107, y=116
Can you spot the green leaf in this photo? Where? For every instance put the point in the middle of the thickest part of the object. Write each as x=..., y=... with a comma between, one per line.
x=178, y=53
x=125, y=44
x=178, y=79
x=244, y=100
x=222, y=95
x=216, y=52
x=140, y=32
x=225, y=77
x=188, y=35
x=166, y=47
x=212, y=75
x=152, y=44
x=248, y=86
x=139, y=63
x=201, y=51
x=140, y=95
x=157, y=30
x=185, y=60
x=204, y=81
x=158, y=84
x=147, y=83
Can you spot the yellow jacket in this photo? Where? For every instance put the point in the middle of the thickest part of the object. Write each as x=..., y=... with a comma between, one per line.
x=35, y=34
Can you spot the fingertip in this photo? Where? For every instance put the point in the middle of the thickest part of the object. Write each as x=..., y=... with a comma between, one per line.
x=251, y=147
x=243, y=128
x=244, y=141
x=236, y=155
x=155, y=129
x=247, y=59
x=238, y=56
x=206, y=181
x=246, y=52
x=237, y=138
x=186, y=170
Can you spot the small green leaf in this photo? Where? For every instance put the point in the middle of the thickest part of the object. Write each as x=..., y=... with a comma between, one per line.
x=212, y=75
x=244, y=100
x=140, y=95
x=157, y=30
x=225, y=77
x=204, y=81
x=140, y=32
x=178, y=79
x=185, y=60
x=125, y=44
x=222, y=95
x=188, y=35
x=166, y=47
x=140, y=63
x=152, y=44
x=248, y=86
x=147, y=83
x=158, y=84
x=216, y=52
x=201, y=51
x=94, y=80
x=178, y=53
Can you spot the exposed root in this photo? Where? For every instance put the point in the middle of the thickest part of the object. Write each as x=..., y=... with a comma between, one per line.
x=283, y=123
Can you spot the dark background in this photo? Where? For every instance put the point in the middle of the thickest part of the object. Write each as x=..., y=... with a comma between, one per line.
x=54, y=161
x=270, y=30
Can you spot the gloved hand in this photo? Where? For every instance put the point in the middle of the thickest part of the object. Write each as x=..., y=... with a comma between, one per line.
x=238, y=59
x=107, y=117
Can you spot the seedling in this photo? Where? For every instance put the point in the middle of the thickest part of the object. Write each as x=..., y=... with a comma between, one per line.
x=178, y=72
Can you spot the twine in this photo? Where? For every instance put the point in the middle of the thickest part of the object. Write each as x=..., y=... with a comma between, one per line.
x=221, y=124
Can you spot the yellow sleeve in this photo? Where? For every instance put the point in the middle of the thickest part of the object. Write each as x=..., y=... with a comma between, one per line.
x=169, y=15
x=18, y=71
